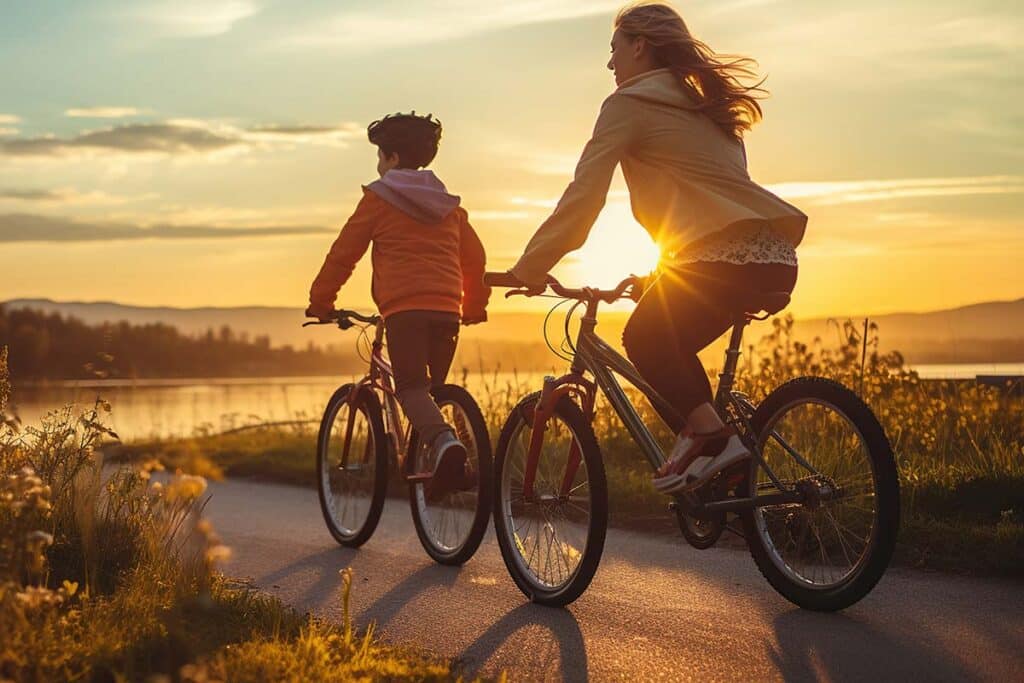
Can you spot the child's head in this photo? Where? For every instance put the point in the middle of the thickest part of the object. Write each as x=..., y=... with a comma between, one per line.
x=405, y=141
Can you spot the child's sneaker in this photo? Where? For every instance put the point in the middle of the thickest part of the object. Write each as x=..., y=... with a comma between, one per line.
x=448, y=470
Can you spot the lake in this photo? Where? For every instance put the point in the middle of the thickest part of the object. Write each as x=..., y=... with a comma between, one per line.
x=178, y=407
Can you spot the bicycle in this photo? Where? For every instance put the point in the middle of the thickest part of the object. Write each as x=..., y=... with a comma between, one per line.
x=363, y=429
x=818, y=501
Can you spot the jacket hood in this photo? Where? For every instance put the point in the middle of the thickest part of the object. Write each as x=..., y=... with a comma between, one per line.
x=418, y=193
x=659, y=87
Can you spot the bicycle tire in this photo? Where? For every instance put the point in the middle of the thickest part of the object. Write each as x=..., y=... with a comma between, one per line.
x=456, y=395
x=369, y=405
x=886, y=491
x=574, y=419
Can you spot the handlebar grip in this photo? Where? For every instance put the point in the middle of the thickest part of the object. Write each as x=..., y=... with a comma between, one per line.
x=344, y=313
x=501, y=279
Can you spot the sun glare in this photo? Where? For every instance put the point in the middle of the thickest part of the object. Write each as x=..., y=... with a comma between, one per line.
x=617, y=246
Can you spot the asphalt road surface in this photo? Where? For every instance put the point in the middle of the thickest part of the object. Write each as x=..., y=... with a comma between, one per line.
x=657, y=609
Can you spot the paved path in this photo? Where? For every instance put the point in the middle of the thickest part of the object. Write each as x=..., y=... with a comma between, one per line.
x=657, y=609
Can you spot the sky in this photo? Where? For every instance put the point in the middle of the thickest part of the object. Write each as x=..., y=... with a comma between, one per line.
x=206, y=152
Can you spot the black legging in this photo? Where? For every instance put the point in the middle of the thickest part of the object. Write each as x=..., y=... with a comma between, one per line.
x=687, y=308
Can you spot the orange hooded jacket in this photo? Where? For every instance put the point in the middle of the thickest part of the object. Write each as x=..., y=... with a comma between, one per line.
x=426, y=255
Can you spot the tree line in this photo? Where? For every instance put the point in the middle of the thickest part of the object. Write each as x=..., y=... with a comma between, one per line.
x=52, y=346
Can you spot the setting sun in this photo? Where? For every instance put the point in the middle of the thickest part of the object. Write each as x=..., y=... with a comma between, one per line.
x=617, y=247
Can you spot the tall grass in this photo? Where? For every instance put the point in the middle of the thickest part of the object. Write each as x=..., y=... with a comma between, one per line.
x=959, y=445
x=112, y=576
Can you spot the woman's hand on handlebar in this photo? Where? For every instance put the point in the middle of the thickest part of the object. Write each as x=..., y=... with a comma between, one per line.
x=509, y=280
x=640, y=284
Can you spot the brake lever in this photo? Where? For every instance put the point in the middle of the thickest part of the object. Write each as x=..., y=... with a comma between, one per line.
x=315, y=322
x=518, y=292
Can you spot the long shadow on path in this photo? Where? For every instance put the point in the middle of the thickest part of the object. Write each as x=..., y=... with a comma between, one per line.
x=813, y=646
x=565, y=659
x=428, y=577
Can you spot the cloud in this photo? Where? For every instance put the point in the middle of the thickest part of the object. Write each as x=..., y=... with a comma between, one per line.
x=68, y=196
x=549, y=203
x=20, y=227
x=31, y=195
x=103, y=112
x=150, y=137
x=307, y=134
x=499, y=215
x=910, y=42
x=174, y=137
x=193, y=18
x=6, y=124
x=384, y=24
x=853, y=191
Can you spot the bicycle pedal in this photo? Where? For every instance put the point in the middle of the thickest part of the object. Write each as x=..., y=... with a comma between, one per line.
x=735, y=474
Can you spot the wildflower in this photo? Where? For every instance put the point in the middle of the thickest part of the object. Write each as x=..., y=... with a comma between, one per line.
x=218, y=554
x=186, y=487
x=33, y=597
x=152, y=465
x=39, y=539
x=196, y=673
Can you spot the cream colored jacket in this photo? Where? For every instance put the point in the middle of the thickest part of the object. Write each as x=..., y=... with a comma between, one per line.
x=687, y=179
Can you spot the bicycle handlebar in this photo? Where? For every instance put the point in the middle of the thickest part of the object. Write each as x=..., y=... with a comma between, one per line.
x=344, y=319
x=507, y=279
x=502, y=279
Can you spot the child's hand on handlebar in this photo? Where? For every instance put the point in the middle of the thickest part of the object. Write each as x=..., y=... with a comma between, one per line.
x=320, y=314
x=474, y=319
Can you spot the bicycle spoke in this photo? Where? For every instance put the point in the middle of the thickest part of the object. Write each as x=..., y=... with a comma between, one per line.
x=445, y=520
x=348, y=490
x=807, y=536
x=547, y=524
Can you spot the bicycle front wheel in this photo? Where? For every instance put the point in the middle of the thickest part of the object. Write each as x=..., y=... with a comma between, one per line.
x=352, y=465
x=451, y=528
x=830, y=550
x=551, y=538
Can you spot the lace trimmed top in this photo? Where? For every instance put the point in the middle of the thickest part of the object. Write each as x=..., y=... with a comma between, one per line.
x=753, y=244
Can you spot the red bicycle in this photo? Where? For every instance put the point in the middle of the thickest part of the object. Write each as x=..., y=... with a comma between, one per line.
x=363, y=430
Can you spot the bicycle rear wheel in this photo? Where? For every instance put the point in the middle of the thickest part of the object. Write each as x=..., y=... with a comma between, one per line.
x=829, y=551
x=552, y=540
x=452, y=528
x=352, y=480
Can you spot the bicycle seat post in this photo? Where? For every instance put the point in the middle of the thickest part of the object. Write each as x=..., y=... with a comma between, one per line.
x=732, y=356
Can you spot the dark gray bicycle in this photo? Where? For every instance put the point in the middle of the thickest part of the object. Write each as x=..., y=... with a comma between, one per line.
x=819, y=501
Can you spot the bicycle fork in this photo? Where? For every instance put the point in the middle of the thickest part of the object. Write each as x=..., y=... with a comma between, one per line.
x=552, y=392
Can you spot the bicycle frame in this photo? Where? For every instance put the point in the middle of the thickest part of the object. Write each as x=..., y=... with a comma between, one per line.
x=595, y=356
x=380, y=377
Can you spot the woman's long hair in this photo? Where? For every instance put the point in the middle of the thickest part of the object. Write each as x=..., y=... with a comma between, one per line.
x=714, y=82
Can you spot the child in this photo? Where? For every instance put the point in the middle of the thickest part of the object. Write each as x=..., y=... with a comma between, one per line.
x=428, y=267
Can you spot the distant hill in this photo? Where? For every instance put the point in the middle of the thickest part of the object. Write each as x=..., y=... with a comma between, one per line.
x=984, y=332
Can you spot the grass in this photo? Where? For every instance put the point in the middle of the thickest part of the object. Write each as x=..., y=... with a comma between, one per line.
x=959, y=447
x=111, y=577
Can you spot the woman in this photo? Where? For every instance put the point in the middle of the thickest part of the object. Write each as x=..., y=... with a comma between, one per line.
x=675, y=123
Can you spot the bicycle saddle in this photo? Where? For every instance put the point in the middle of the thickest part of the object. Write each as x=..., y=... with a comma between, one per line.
x=769, y=302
